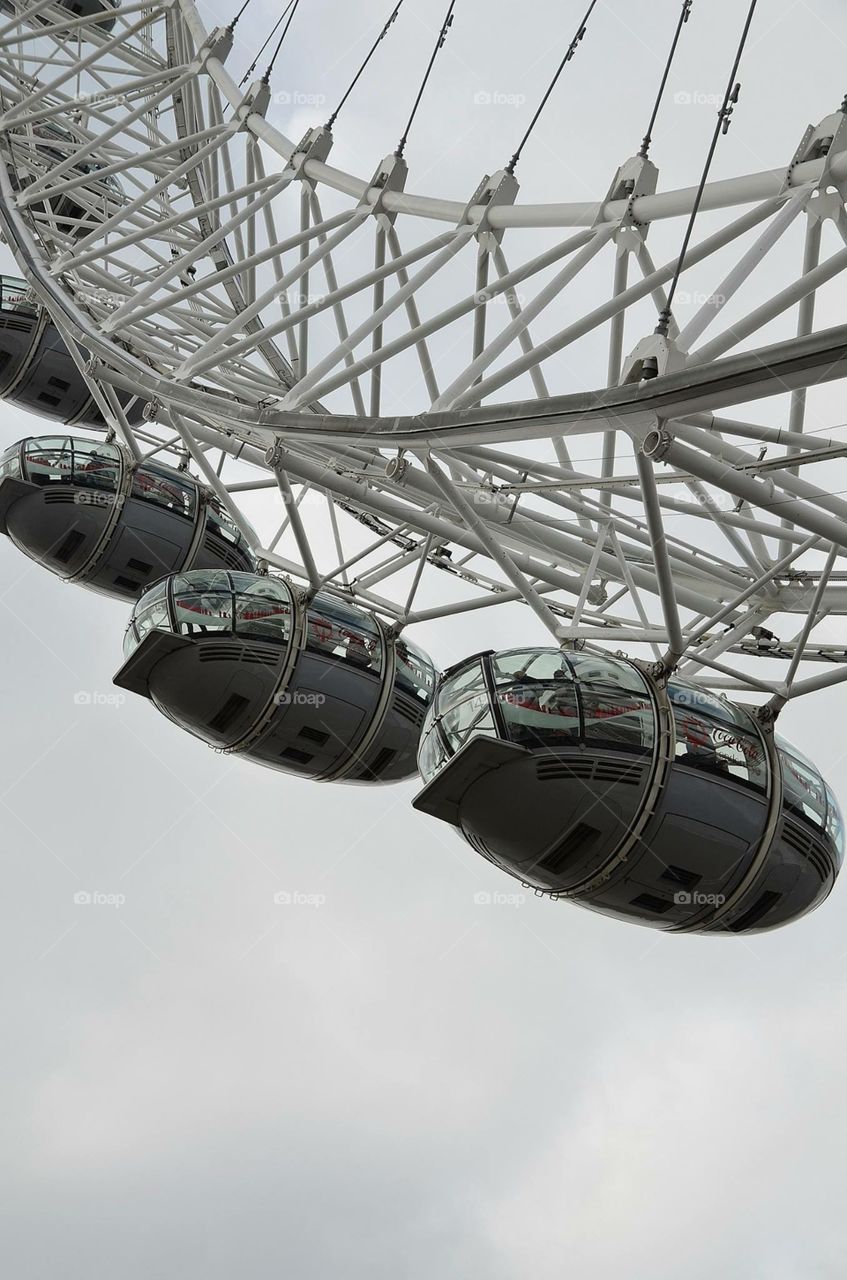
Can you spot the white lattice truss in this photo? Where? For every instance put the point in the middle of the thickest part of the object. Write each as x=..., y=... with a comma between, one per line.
x=269, y=307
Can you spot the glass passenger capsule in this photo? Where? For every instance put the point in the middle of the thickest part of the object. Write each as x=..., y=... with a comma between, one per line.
x=37, y=372
x=317, y=687
x=85, y=511
x=584, y=779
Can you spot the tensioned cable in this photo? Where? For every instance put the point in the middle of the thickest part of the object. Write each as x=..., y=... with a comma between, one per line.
x=648, y=137
x=733, y=91
x=439, y=44
x=234, y=22
x=270, y=66
x=274, y=30
x=571, y=50
x=383, y=33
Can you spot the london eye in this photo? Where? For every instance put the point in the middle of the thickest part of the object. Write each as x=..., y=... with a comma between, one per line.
x=301, y=419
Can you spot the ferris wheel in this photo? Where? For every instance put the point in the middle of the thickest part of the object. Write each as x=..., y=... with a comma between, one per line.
x=236, y=321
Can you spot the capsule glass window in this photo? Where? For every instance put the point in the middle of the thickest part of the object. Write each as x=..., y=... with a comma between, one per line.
x=465, y=684
x=263, y=607
x=10, y=462
x=704, y=703
x=219, y=520
x=164, y=489
x=721, y=749
x=49, y=460
x=835, y=823
x=803, y=789
x=414, y=673
x=621, y=720
x=199, y=612
x=467, y=719
x=337, y=630
x=617, y=710
x=433, y=754
x=96, y=465
x=16, y=295
x=537, y=698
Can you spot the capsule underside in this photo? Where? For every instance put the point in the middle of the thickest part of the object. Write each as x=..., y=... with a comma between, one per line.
x=584, y=780
x=81, y=509
x=318, y=690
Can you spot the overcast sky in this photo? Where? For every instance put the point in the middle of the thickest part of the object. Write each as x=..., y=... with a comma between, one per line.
x=396, y=1080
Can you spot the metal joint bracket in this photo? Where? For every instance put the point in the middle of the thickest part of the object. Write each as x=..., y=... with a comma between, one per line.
x=654, y=356
x=824, y=141
x=218, y=44
x=316, y=144
x=656, y=444
x=391, y=175
x=397, y=468
x=500, y=188
x=636, y=177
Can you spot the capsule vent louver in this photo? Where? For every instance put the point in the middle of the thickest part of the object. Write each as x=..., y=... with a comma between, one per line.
x=227, y=651
x=806, y=845
x=549, y=769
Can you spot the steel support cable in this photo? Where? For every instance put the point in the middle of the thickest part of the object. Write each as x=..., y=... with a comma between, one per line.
x=685, y=14
x=571, y=50
x=730, y=98
x=266, y=77
x=439, y=44
x=248, y=73
x=237, y=17
x=383, y=33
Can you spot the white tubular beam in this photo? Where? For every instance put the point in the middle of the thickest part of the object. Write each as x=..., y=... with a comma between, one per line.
x=616, y=337
x=605, y=312
x=664, y=573
x=416, y=581
x=789, y=484
x=812, y=619
x=805, y=324
x=459, y=503
x=378, y=299
x=815, y=683
x=337, y=309
x=472, y=374
x=213, y=479
x=763, y=583
x=208, y=353
x=731, y=283
x=424, y=358
x=572, y=630
x=298, y=529
x=763, y=315
x=18, y=115
x=104, y=397
x=310, y=388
